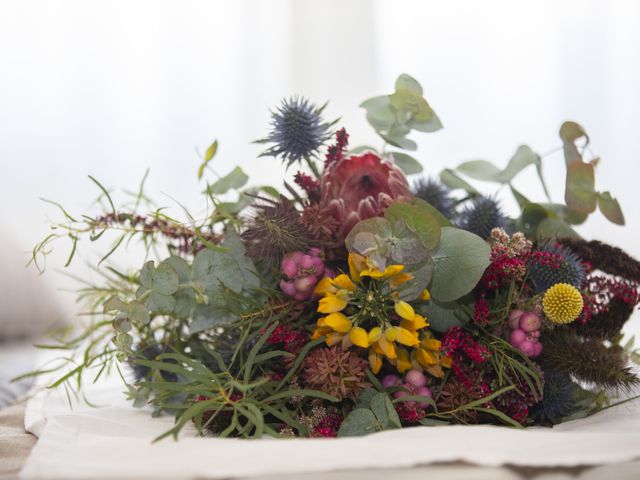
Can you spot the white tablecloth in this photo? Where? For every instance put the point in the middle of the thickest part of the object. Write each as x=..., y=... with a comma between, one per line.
x=114, y=441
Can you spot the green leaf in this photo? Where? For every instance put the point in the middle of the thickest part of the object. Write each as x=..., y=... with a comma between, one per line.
x=233, y=180
x=180, y=266
x=406, y=163
x=453, y=181
x=165, y=279
x=480, y=170
x=397, y=139
x=580, y=194
x=146, y=274
x=569, y=133
x=443, y=316
x=425, y=225
x=555, y=228
x=431, y=210
x=138, y=313
x=460, y=260
x=523, y=157
x=209, y=154
x=520, y=198
x=214, y=269
x=384, y=411
x=428, y=126
x=160, y=303
x=407, y=82
x=610, y=208
x=532, y=215
x=358, y=423
x=380, y=115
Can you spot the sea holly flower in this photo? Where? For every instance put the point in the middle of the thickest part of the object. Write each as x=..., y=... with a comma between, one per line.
x=364, y=310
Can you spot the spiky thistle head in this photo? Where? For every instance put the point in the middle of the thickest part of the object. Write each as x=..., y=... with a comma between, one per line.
x=436, y=194
x=553, y=263
x=558, y=400
x=341, y=373
x=483, y=215
x=274, y=230
x=297, y=130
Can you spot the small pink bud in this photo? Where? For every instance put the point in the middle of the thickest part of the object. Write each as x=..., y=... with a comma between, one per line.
x=390, y=381
x=538, y=349
x=415, y=378
x=315, y=251
x=288, y=287
x=289, y=267
x=528, y=348
x=306, y=262
x=424, y=392
x=517, y=337
x=305, y=284
x=529, y=322
x=514, y=318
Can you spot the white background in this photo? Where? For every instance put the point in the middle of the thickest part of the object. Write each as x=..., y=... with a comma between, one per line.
x=111, y=88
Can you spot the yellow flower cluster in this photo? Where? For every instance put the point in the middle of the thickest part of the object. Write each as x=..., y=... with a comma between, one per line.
x=370, y=323
x=562, y=303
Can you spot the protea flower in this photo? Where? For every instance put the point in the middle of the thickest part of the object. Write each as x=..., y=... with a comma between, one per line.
x=361, y=187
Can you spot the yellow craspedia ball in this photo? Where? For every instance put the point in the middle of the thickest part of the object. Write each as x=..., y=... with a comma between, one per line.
x=562, y=303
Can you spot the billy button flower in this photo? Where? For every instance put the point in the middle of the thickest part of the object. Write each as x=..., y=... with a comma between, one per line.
x=364, y=309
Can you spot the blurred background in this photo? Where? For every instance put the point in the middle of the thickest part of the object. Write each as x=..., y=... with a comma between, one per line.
x=113, y=88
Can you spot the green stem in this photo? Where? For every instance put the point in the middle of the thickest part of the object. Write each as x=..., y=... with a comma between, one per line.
x=313, y=167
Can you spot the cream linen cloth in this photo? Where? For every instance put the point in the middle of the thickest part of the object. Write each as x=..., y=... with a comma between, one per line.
x=114, y=441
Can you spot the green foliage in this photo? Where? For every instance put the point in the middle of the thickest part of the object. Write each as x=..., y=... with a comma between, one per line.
x=459, y=262
x=394, y=116
x=406, y=163
x=235, y=179
x=374, y=413
x=208, y=156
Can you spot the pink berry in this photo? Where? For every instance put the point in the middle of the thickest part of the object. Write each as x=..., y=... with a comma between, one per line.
x=288, y=287
x=517, y=337
x=415, y=378
x=424, y=392
x=306, y=261
x=390, y=381
x=528, y=348
x=315, y=251
x=289, y=267
x=514, y=318
x=305, y=284
x=529, y=322
x=538, y=349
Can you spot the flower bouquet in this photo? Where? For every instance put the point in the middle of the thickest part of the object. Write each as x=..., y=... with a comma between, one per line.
x=354, y=301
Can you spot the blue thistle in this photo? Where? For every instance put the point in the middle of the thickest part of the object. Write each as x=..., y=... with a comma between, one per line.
x=436, y=194
x=554, y=263
x=297, y=132
x=483, y=215
x=559, y=399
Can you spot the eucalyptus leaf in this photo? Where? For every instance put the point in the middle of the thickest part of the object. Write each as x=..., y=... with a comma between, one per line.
x=406, y=163
x=442, y=316
x=208, y=156
x=431, y=210
x=459, y=262
x=359, y=422
x=425, y=225
x=165, y=279
x=452, y=180
x=160, y=303
x=233, y=180
x=580, y=194
x=555, y=228
x=610, y=208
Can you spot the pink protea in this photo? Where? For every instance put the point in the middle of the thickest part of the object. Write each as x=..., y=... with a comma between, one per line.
x=361, y=187
x=300, y=273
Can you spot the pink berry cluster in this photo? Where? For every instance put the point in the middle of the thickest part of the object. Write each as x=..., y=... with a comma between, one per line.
x=415, y=383
x=300, y=273
x=525, y=332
